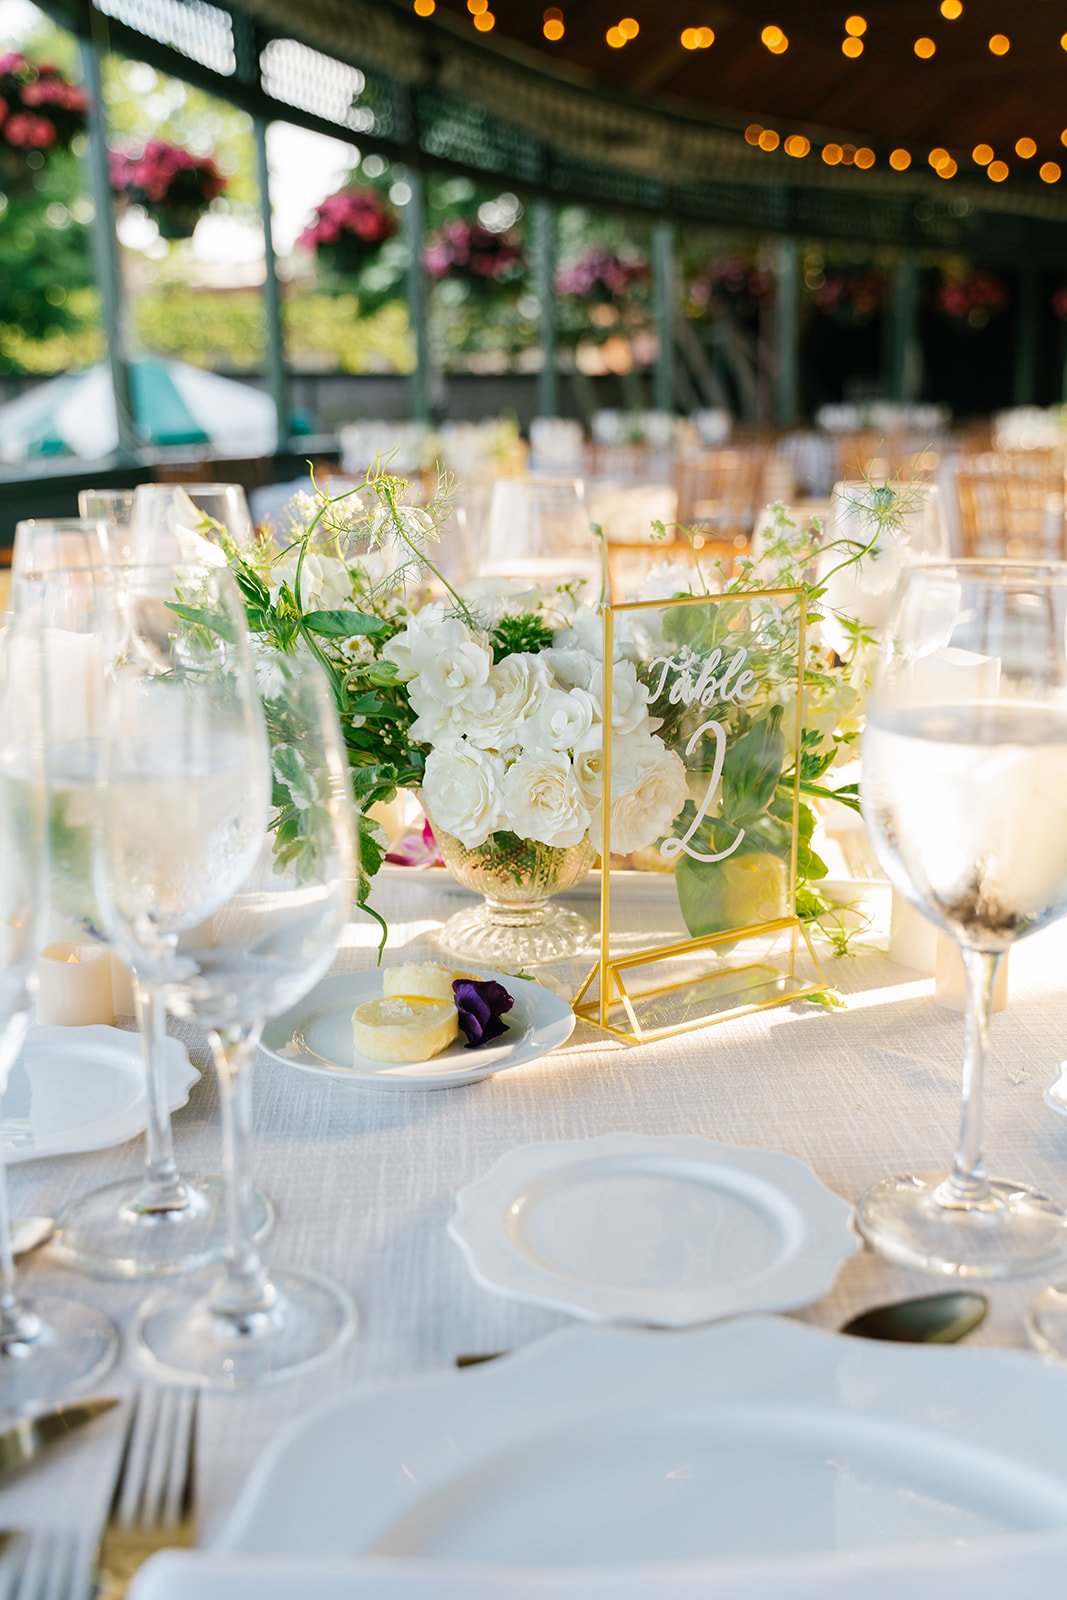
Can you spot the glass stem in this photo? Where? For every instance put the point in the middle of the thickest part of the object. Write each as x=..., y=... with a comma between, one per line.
x=164, y=1190
x=18, y=1327
x=246, y=1297
x=968, y=1186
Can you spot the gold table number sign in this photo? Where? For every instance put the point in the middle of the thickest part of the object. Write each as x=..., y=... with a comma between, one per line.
x=701, y=926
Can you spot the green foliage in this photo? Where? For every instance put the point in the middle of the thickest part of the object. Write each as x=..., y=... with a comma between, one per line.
x=46, y=296
x=513, y=635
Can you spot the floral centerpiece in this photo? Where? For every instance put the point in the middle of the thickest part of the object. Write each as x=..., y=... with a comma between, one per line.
x=174, y=186
x=852, y=297
x=349, y=228
x=729, y=283
x=40, y=110
x=476, y=255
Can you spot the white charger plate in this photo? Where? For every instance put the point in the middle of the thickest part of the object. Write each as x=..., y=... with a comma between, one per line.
x=668, y=1231
x=75, y=1089
x=753, y=1440
x=316, y=1036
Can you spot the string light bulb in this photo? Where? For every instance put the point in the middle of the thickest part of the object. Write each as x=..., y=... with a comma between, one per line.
x=1025, y=148
x=1050, y=172
x=997, y=170
x=553, y=28
x=698, y=38
x=752, y=132
x=900, y=160
x=629, y=27
x=485, y=21
x=937, y=156
x=951, y=9
x=425, y=8
x=831, y=154
x=855, y=26
x=769, y=139
x=797, y=145
x=1000, y=44
x=947, y=169
x=852, y=47
x=924, y=48
x=982, y=154
x=774, y=39
x=616, y=38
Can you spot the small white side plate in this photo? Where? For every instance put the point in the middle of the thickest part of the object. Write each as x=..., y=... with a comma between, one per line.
x=748, y=1441
x=1056, y=1093
x=316, y=1036
x=75, y=1089
x=670, y=1231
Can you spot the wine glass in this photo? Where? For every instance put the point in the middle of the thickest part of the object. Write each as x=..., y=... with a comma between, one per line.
x=114, y=507
x=964, y=791
x=539, y=528
x=163, y=512
x=47, y=1347
x=108, y=620
x=55, y=543
x=273, y=939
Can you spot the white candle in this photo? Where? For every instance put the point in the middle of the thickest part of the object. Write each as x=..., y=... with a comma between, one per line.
x=912, y=937
x=74, y=985
x=950, y=978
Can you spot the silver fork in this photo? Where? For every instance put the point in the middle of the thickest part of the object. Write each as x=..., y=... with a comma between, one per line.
x=49, y=1564
x=153, y=1506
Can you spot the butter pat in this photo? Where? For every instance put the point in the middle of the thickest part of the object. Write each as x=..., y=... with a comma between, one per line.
x=404, y=1029
x=418, y=980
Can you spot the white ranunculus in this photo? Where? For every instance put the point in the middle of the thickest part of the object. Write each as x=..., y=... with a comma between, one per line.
x=542, y=800
x=667, y=580
x=563, y=720
x=629, y=697
x=572, y=669
x=435, y=720
x=648, y=790
x=461, y=791
x=496, y=717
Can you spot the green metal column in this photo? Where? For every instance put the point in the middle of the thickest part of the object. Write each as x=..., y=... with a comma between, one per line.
x=663, y=290
x=904, y=352
x=107, y=259
x=272, y=299
x=415, y=228
x=1027, y=336
x=544, y=221
x=787, y=333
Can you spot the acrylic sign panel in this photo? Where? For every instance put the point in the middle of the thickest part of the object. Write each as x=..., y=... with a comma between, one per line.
x=700, y=923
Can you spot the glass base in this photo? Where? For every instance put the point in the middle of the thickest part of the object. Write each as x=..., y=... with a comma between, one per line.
x=60, y=1348
x=510, y=938
x=112, y=1233
x=1015, y=1231
x=179, y=1336
x=1046, y=1323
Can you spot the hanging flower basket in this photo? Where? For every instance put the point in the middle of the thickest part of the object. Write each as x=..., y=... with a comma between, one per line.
x=473, y=254
x=603, y=277
x=40, y=111
x=730, y=284
x=172, y=185
x=852, y=298
x=969, y=301
x=349, y=229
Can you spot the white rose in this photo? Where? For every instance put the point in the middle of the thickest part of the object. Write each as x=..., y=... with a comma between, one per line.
x=562, y=721
x=415, y=643
x=461, y=791
x=434, y=720
x=586, y=632
x=629, y=697
x=572, y=668
x=666, y=581
x=648, y=789
x=589, y=765
x=454, y=670
x=542, y=800
x=496, y=717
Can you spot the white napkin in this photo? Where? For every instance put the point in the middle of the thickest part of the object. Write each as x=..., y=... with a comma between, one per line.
x=1024, y=1567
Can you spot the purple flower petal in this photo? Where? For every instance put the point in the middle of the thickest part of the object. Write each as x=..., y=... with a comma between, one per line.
x=481, y=1003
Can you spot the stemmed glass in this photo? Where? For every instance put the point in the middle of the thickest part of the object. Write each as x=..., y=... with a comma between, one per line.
x=273, y=939
x=964, y=791
x=47, y=1347
x=97, y=620
x=162, y=510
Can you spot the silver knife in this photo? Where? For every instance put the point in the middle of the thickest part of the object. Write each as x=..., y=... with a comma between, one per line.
x=28, y=1438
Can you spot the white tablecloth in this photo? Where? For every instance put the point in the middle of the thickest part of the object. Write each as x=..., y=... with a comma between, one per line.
x=364, y=1181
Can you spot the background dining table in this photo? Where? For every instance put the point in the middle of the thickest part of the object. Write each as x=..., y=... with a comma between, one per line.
x=364, y=1181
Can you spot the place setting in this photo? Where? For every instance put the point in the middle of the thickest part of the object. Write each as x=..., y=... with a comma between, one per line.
x=533, y=803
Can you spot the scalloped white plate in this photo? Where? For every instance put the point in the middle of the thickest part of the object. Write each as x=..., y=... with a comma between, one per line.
x=75, y=1089
x=669, y=1231
x=755, y=1440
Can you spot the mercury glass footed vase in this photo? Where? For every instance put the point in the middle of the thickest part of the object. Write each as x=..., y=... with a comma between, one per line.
x=517, y=925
